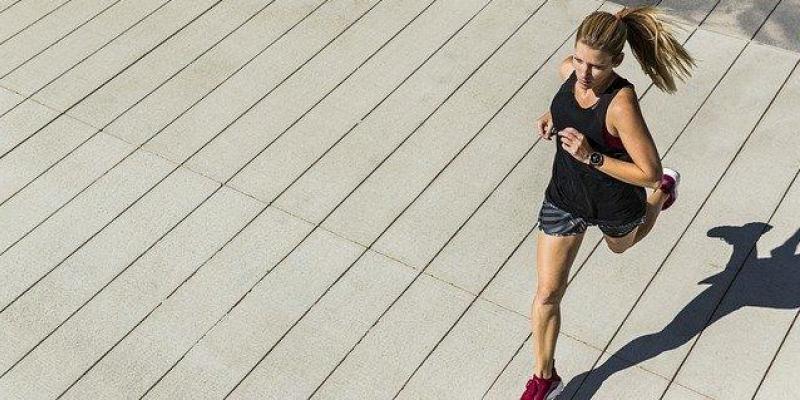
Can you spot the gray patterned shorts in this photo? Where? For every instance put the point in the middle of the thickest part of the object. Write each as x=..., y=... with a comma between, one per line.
x=557, y=222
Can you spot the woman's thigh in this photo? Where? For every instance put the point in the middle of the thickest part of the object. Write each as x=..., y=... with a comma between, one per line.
x=554, y=257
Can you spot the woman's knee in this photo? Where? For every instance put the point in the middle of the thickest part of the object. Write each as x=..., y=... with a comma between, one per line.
x=549, y=295
x=619, y=245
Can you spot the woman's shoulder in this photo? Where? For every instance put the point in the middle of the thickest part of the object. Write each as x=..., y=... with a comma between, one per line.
x=624, y=106
x=566, y=68
x=623, y=97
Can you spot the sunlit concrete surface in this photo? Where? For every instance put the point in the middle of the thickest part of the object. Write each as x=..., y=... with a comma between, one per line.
x=337, y=199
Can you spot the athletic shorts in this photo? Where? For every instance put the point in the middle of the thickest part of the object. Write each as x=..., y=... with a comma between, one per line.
x=557, y=222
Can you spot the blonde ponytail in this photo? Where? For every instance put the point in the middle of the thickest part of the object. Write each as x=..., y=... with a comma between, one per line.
x=661, y=56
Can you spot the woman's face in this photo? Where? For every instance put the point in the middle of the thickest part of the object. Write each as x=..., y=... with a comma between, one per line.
x=592, y=67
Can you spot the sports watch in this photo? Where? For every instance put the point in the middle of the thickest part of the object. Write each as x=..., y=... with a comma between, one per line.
x=596, y=159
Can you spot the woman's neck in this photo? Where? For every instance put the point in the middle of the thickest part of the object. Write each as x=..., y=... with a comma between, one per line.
x=600, y=88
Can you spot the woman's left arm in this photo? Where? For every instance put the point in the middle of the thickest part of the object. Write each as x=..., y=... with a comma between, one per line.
x=626, y=117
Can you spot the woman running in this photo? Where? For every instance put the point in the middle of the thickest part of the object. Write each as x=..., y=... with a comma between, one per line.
x=605, y=158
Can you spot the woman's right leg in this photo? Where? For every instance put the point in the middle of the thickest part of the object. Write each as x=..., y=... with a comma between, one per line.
x=554, y=257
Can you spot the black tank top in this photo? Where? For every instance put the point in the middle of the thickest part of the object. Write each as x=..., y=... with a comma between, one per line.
x=577, y=187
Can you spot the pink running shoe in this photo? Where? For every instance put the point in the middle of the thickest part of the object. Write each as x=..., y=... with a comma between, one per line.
x=669, y=184
x=543, y=389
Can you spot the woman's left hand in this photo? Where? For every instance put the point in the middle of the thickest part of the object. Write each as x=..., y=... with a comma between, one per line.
x=575, y=143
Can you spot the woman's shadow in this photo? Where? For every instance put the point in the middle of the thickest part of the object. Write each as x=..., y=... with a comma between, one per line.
x=770, y=282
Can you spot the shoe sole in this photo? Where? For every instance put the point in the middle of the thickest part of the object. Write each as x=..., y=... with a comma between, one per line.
x=558, y=389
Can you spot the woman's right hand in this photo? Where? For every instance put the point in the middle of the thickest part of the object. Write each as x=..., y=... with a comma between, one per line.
x=544, y=125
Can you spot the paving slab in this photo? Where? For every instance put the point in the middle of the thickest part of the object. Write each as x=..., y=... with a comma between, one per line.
x=260, y=78
x=500, y=224
x=22, y=121
x=108, y=62
x=781, y=29
x=55, y=145
x=173, y=168
x=406, y=172
x=49, y=62
x=689, y=11
x=423, y=228
x=666, y=114
x=149, y=73
x=24, y=157
x=152, y=348
x=224, y=61
x=423, y=42
x=468, y=359
x=781, y=380
x=678, y=392
x=332, y=328
x=77, y=344
x=697, y=272
x=237, y=145
x=71, y=282
x=233, y=347
x=758, y=309
x=27, y=135
x=8, y=99
x=739, y=18
x=16, y=19
x=757, y=318
x=5, y=4
x=628, y=383
x=425, y=309
x=329, y=181
x=29, y=207
x=30, y=257
x=52, y=28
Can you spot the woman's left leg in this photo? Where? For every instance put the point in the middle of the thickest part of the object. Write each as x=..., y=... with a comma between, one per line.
x=655, y=201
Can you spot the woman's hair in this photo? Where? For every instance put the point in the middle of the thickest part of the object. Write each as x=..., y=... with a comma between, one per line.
x=661, y=56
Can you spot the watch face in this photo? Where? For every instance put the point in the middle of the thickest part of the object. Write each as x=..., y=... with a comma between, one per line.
x=595, y=158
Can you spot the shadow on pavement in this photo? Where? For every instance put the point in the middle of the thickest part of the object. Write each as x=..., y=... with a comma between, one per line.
x=782, y=31
x=769, y=282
